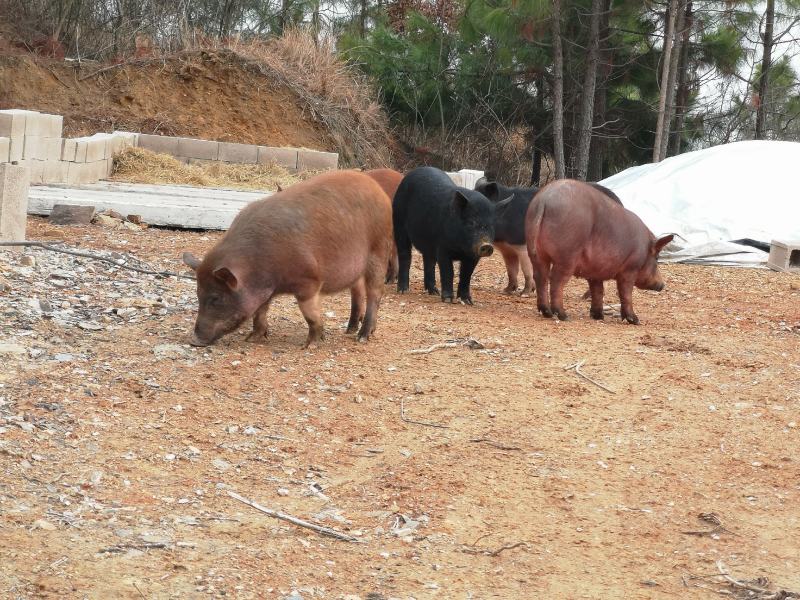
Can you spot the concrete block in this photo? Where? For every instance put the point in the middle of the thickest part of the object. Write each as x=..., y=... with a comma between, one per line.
x=35, y=170
x=159, y=143
x=36, y=124
x=13, y=202
x=55, y=171
x=55, y=125
x=31, y=147
x=81, y=149
x=131, y=139
x=310, y=160
x=5, y=149
x=238, y=153
x=68, y=149
x=78, y=173
x=12, y=123
x=284, y=157
x=50, y=149
x=96, y=148
x=784, y=256
x=191, y=148
x=15, y=147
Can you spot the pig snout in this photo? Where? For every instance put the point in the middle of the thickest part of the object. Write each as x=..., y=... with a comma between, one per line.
x=658, y=287
x=485, y=250
x=194, y=340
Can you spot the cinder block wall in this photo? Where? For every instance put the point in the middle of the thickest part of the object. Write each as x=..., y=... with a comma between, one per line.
x=35, y=140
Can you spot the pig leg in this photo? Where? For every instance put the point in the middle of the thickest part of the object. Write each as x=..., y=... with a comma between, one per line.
x=559, y=276
x=374, y=290
x=393, y=267
x=541, y=275
x=465, y=271
x=310, y=306
x=596, y=290
x=527, y=269
x=625, y=290
x=403, y=244
x=358, y=296
x=429, y=267
x=446, y=276
x=260, y=327
x=511, y=258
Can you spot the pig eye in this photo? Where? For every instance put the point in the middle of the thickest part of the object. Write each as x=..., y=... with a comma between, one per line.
x=213, y=301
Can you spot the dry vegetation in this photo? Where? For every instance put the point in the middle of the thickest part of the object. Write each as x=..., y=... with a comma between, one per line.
x=137, y=165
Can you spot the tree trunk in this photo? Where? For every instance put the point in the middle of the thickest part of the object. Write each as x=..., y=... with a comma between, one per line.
x=587, y=97
x=558, y=92
x=670, y=17
x=669, y=108
x=536, y=167
x=681, y=104
x=763, y=84
x=598, y=146
x=362, y=18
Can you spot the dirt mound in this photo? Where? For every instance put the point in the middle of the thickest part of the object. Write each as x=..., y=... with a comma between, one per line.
x=215, y=95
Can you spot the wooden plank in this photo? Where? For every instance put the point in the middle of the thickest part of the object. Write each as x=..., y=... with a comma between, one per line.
x=172, y=206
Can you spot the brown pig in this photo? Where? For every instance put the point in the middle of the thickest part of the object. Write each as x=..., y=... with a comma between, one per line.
x=572, y=229
x=388, y=179
x=323, y=235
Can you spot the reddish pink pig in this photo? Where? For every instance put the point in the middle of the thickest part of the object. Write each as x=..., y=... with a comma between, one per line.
x=388, y=179
x=572, y=229
x=329, y=233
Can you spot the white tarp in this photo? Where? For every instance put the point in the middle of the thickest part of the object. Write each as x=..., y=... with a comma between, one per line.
x=729, y=192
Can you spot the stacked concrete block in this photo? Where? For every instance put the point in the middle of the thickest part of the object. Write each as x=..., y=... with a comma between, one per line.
x=13, y=202
x=161, y=144
x=311, y=160
x=34, y=140
x=284, y=157
x=238, y=153
x=5, y=149
x=189, y=148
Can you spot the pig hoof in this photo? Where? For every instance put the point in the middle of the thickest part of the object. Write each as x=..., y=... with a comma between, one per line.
x=546, y=312
x=447, y=299
x=466, y=300
x=433, y=291
x=596, y=314
x=632, y=319
x=256, y=337
x=509, y=289
x=401, y=290
x=562, y=316
x=525, y=292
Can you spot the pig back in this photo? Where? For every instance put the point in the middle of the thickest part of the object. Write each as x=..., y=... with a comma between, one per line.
x=325, y=228
x=388, y=179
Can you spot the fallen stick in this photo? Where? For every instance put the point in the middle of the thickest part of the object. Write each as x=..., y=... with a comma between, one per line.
x=497, y=551
x=426, y=423
x=94, y=257
x=294, y=520
x=764, y=594
x=577, y=368
x=470, y=343
x=495, y=444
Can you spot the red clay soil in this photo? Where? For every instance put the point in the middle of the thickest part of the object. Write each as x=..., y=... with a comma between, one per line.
x=522, y=480
x=205, y=94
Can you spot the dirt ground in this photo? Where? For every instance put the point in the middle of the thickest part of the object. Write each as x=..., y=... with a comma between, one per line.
x=533, y=483
x=211, y=95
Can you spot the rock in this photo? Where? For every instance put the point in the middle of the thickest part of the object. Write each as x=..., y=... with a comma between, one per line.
x=250, y=430
x=283, y=492
x=172, y=351
x=293, y=596
x=794, y=285
x=220, y=464
x=90, y=326
x=13, y=349
x=64, y=357
x=45, y=306
x=137, y=219
x=44, y=525
x=419, y=388
x=65, y=214
x=4, y=286
x=27, y=260
x=106, y=221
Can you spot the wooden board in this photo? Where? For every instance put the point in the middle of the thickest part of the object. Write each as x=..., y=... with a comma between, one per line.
x=180, y=206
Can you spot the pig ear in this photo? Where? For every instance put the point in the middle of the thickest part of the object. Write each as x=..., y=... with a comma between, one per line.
x=490, y=191
x=503, y=204
x=659, y=244
x=225, y=275
x=460, y=202
x=191, y=260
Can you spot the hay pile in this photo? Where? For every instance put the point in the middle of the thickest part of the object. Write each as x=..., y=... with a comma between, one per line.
x=136, y=165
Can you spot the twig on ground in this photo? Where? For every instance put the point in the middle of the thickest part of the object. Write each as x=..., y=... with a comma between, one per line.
x=140, y=591
x=495, y=552
x=142, y=546
x=763, y=593
x=495, y=444
x=712, y=518
x=426, y=423
x=470, y=343
x=577, y=368
x=104, y=69
x=94, y=257
x=294, y=520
